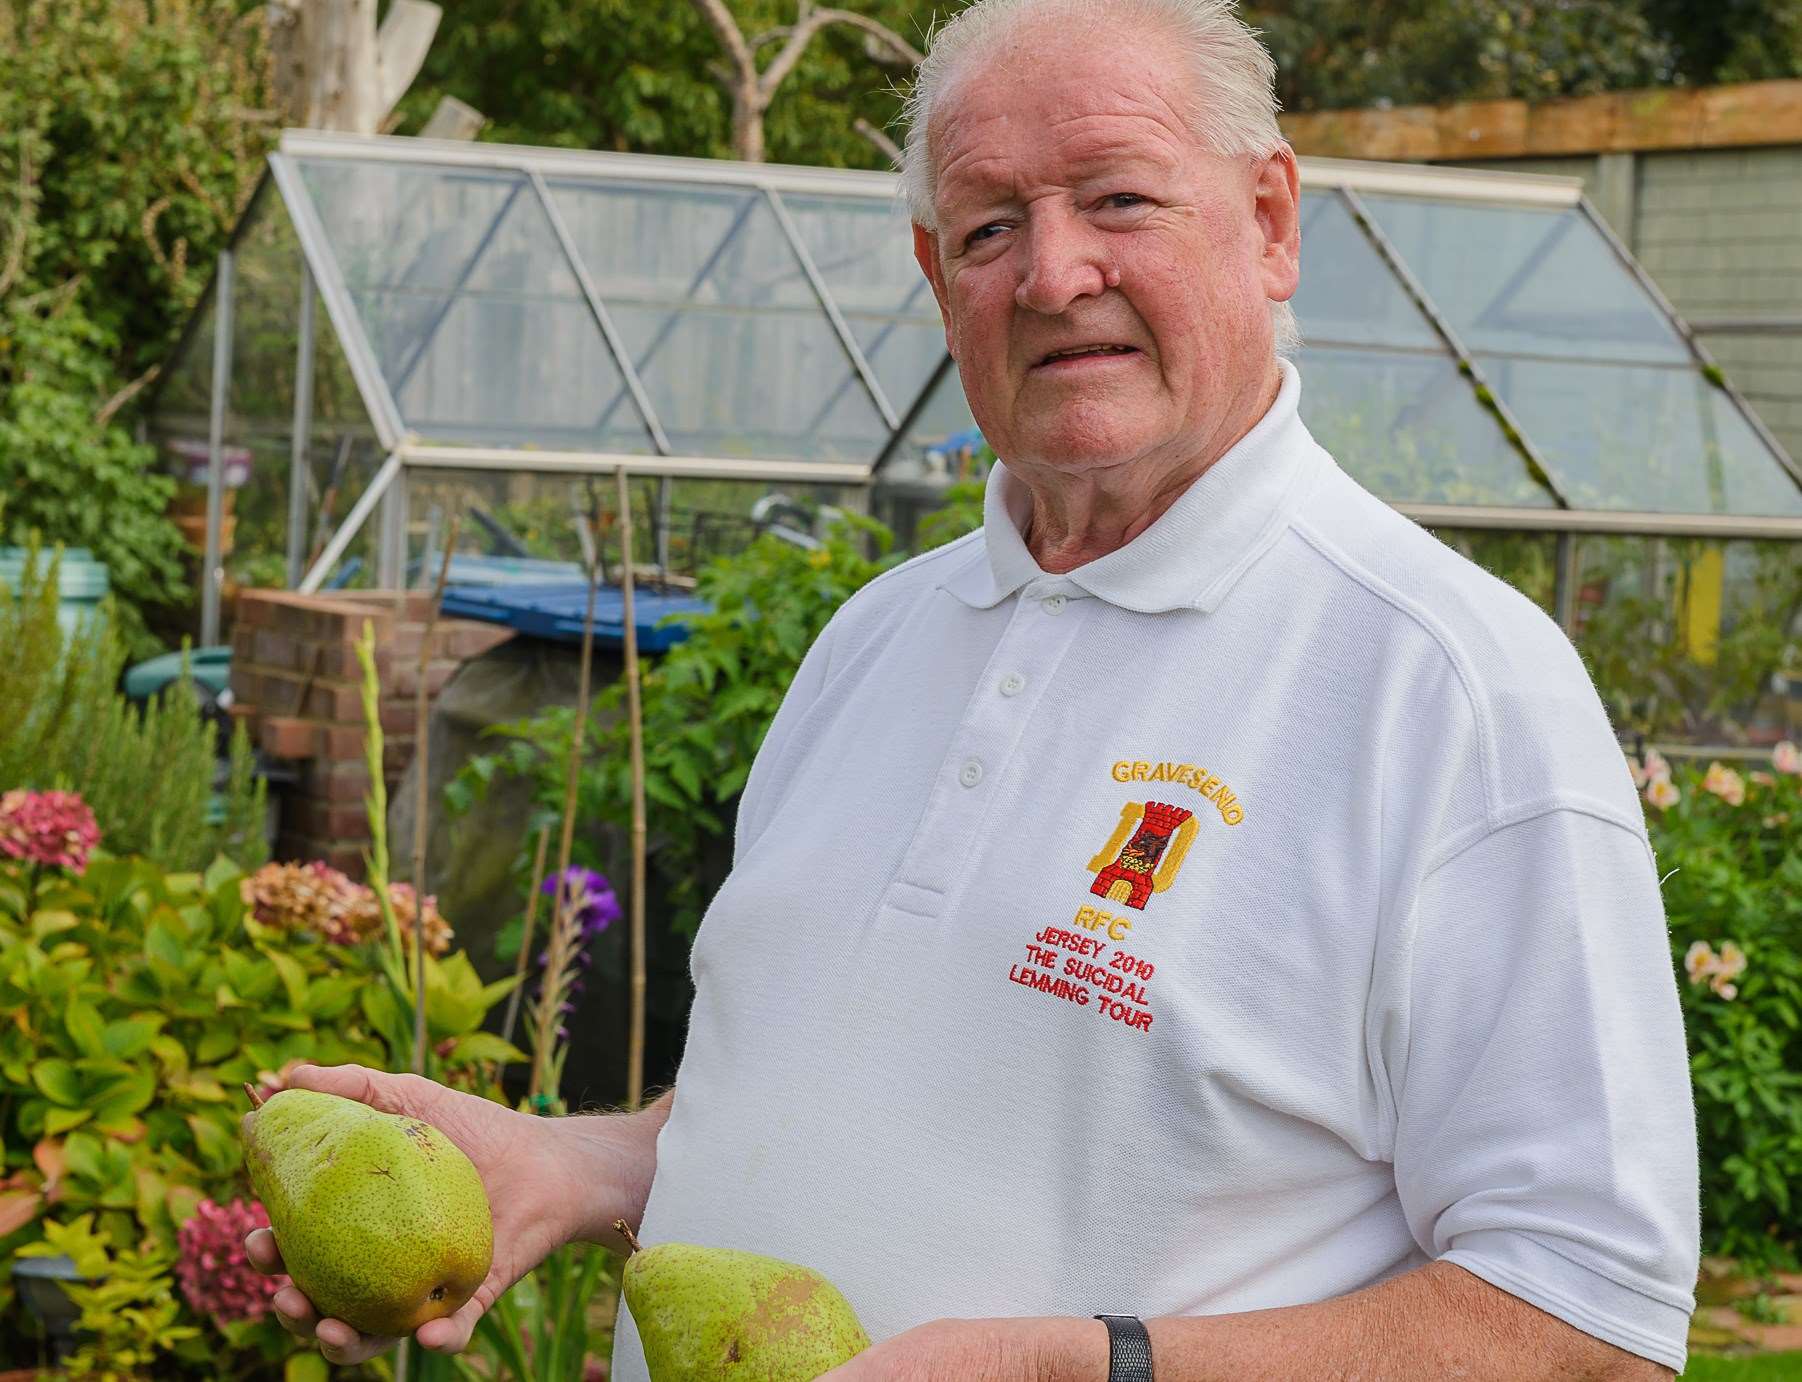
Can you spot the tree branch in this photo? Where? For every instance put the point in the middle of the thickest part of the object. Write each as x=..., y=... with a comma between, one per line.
x=811, y=22
x=15, y=254
x=890, y=149
x=726, y=29
x=125, y=395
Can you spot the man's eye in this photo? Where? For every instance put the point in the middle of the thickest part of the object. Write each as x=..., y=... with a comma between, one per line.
x=1123, y=199
x=981, y=233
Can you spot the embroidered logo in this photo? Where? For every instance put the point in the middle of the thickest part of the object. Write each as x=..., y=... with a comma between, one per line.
x=1144, y=852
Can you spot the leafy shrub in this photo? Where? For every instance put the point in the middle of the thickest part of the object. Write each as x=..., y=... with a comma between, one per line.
x=131, y=135
x=707, y=705
x=147, y=774
x=141, y=1002
x=1730, y=847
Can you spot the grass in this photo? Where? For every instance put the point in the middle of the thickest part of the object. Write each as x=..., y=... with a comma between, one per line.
x=1764, y=1367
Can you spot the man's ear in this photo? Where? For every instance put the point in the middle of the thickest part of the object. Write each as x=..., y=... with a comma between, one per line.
x=1278, y=209
x=926, y=252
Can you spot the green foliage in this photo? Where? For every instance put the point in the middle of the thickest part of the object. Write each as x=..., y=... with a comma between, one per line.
x=146, y=774
x=1731, y=40
x=614, y=74
x=1333, y=53
x=130, y=137
x=960, y=513
x=140, y=1003
x=131, y=1316
x=1734, y=873
x=707, y=705
x=545, y=1327
x=1646, y=674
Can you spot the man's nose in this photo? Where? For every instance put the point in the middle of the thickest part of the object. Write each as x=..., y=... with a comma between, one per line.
x=1065, y=260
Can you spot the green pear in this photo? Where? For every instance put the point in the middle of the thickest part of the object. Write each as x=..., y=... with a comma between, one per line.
x=705, y=1313
x=381, y=1220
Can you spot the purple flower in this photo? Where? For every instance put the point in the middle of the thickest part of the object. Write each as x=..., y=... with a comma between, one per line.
x=592, y=898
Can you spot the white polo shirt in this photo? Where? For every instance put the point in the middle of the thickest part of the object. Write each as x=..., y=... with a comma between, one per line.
x=1247, y=916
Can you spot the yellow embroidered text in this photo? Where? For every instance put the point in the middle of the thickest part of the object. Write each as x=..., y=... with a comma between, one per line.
x=1187, y=775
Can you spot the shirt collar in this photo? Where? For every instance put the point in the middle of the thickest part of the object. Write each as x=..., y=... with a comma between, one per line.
x=1198, y=548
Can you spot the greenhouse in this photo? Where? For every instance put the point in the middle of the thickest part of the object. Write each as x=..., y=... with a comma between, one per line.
x=406, y=329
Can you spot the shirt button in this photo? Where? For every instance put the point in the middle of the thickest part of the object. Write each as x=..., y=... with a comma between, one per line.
x=1054, y=604
x=971, y=772
x=1012, y=684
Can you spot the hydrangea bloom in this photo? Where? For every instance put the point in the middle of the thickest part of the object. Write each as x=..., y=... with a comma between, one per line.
x=215, y=1276
x=55, y=829
x=318, y=898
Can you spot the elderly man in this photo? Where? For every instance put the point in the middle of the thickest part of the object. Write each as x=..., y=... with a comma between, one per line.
x=1201, y=896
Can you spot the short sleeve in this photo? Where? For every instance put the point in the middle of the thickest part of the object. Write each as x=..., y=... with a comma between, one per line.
x=1545, y=1131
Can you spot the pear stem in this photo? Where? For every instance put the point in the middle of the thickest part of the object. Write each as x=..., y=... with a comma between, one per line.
x=625, y=1231
x=256, y=1100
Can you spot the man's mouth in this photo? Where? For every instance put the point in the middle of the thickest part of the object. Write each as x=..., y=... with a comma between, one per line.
x=1086, y=352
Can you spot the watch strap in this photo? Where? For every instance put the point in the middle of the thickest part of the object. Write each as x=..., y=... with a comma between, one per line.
x=1129, y=1348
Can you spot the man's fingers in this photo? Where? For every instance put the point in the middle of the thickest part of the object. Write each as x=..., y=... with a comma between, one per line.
x=260, y=1248
x=452, y=1333
x=294, y=1312
x=344, y=1346
x=402, y=1094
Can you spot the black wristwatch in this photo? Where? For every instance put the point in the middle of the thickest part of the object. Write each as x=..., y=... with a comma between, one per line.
x=1128, y=1348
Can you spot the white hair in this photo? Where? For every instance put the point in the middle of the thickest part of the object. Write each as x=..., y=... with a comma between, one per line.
x=1234, y=115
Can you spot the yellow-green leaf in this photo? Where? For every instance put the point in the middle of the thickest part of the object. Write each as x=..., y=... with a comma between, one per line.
x=62, y=1119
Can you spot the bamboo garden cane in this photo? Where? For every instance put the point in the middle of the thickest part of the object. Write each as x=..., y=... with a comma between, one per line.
x=635, y=721
x=422, y=802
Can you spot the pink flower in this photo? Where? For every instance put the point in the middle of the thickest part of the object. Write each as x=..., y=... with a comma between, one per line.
x=1761, y=778
x=1663, y=793
x=216, y=1277
x=55, y=829
x=1717, y=971
x=1786, y=758
x=1726, y=784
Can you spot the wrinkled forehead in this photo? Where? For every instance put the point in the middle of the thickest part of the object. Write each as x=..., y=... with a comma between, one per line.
x=1053, y=108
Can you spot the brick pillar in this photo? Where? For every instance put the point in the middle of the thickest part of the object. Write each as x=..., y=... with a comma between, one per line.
x=297, y=684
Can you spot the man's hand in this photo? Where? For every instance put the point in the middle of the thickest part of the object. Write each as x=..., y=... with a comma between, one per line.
x=531, y=1192
x=1008, y=1350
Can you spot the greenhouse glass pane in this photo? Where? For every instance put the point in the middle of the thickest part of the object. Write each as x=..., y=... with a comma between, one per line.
x=1643, y=438
x=1409, y=429
x=945, y=414
x=1527, y=280
x=475, y=316
x=734, y=349
x=1348, y=295
x=863, y=249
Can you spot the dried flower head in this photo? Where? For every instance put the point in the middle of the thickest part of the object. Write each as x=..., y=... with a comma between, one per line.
x=215, y=1276
x=54, y=829
x=317, y=898
x=310, y=897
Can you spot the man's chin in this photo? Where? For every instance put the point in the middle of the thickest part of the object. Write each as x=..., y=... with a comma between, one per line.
x=1077, y=452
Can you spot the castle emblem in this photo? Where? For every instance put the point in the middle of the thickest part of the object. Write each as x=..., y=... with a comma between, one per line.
x=1144, y=853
